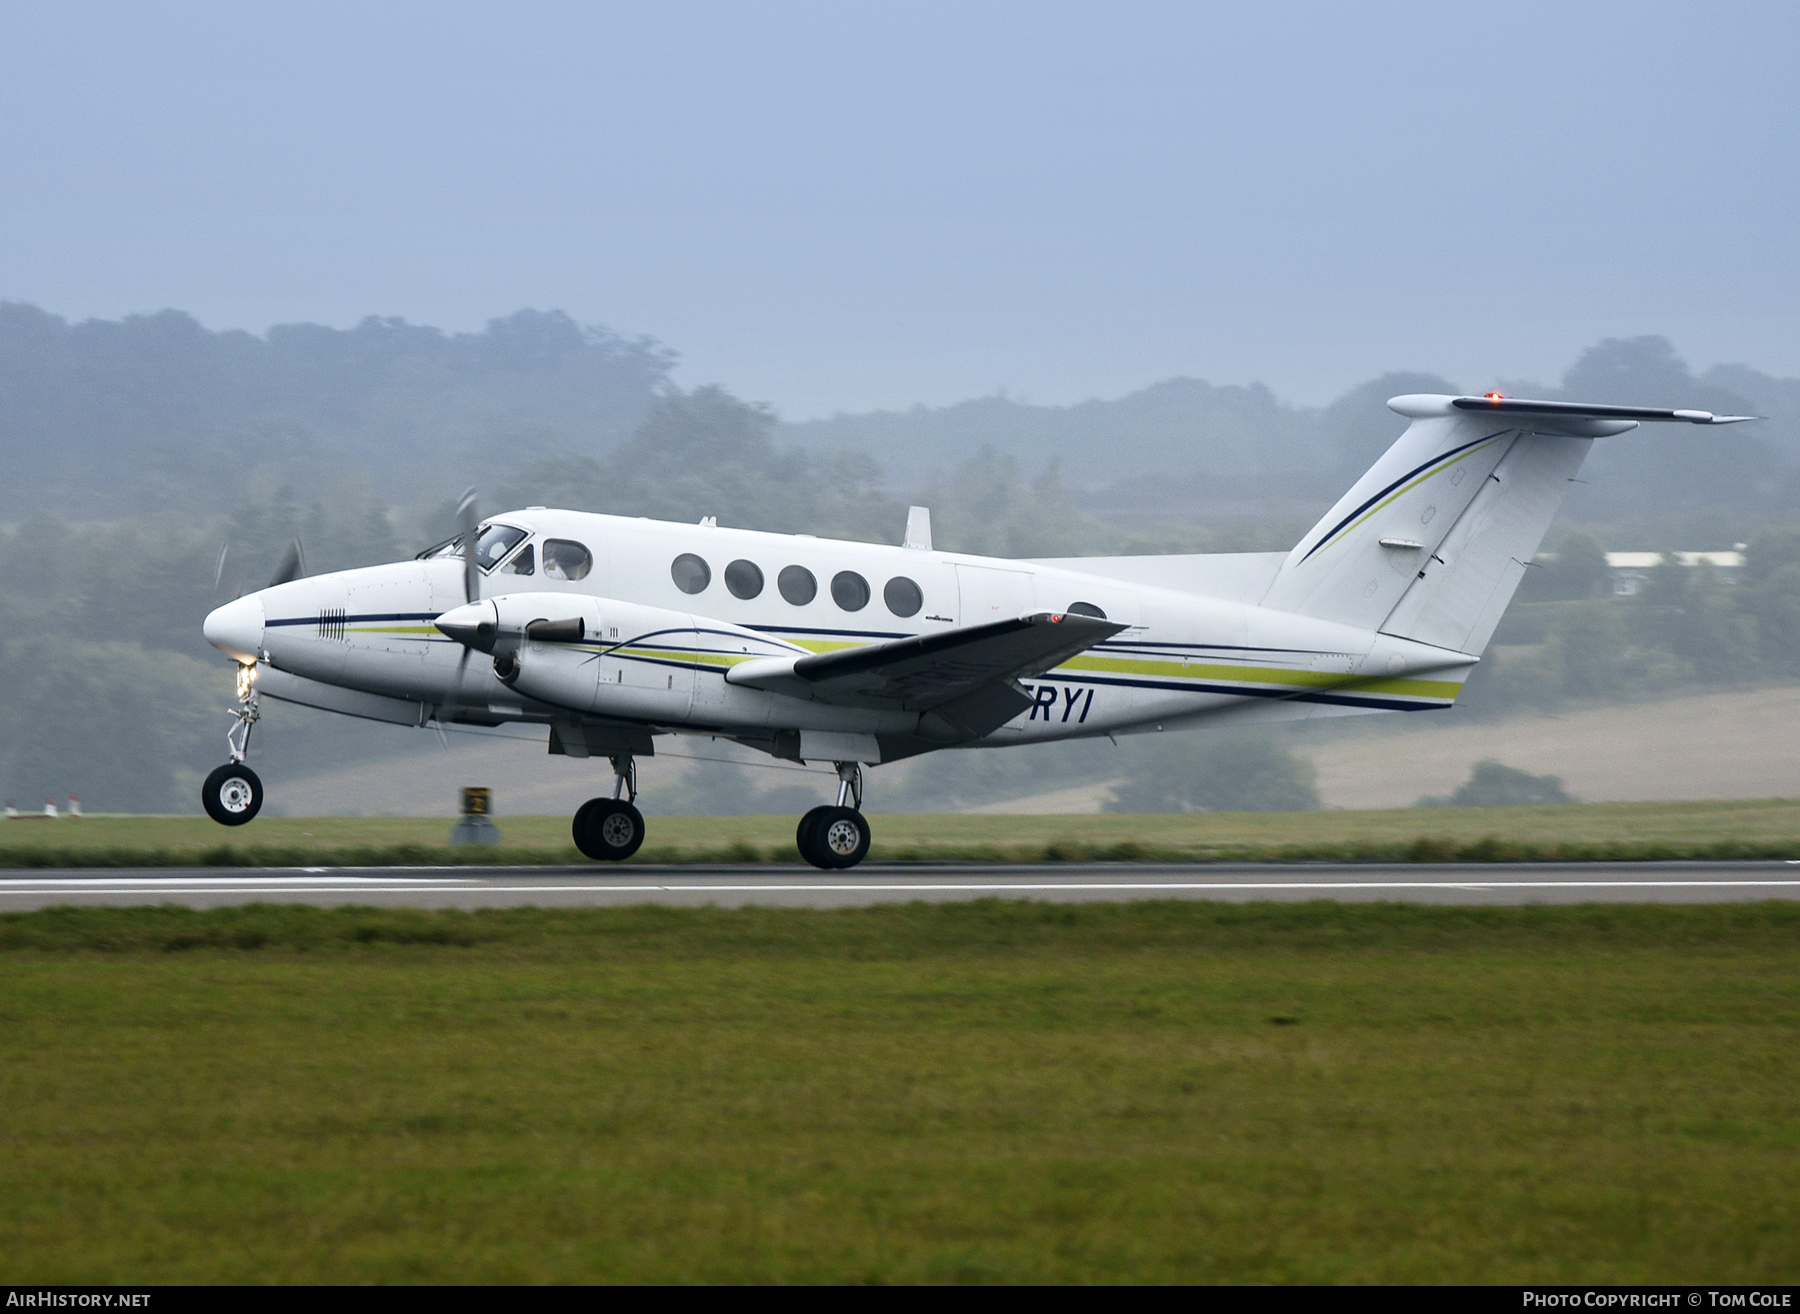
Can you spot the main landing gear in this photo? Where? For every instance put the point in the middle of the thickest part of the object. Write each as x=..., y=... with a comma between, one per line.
x=612, y=829
x=836, y=837
x=233, y=794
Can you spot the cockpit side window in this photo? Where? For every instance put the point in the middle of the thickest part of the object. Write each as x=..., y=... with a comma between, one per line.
x=566, y=559
x=523, y=562
x=495, y=542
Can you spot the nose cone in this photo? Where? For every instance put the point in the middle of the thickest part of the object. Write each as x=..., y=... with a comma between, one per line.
x=237, y=628
x=474, y=625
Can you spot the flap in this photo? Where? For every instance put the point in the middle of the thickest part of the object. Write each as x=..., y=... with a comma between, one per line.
x=930, y=669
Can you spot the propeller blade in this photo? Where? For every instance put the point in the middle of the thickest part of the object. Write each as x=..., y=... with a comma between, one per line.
x=456, y=691
x=475, y=627
x=468, y=521
x=219, y=570
x=292, y=567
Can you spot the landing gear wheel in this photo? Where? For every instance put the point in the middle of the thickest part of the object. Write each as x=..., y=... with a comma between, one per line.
x=579, y=826
x=608, y=830
x=232, y=794
x=805, y=831
x=838, y=839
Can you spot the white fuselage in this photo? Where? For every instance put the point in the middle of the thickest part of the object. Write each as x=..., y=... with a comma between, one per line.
x=659, y=657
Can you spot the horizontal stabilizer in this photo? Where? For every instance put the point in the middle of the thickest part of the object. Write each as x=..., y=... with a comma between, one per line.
x=931, y=669
x=1521, y=406
x=1420, y=405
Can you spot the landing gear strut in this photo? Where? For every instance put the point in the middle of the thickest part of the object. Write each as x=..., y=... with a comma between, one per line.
x=233, y=794
x=612, y=829
x=836, y=837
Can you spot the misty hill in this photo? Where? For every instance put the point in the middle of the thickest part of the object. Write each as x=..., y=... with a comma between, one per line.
x=1185, y=449
x=1228, y=430
x=103, y=418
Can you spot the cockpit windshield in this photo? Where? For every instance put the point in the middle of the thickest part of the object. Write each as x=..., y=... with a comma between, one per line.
x=495, y=542
x=491, y=547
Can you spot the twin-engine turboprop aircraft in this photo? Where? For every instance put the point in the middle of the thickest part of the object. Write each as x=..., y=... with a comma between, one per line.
x=611, y=631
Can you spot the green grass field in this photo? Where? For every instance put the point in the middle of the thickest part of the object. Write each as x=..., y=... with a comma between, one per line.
x=1766, y=828
x=1167, y=1092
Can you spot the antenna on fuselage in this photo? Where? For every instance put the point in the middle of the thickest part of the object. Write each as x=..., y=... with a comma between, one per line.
x=918, y=528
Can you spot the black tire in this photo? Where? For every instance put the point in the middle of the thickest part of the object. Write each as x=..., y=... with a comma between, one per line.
x=804, y=833
x=841, y=839
x=613, y=831
x=232, y=794
x=579, y=825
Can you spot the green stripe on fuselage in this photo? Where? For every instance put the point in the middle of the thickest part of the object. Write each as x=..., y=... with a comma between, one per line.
x=1197, y=672
x=1171, y=670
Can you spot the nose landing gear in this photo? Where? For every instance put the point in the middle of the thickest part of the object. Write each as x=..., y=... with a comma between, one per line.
x=612, y=829
x=233, y=794
x=837, y=837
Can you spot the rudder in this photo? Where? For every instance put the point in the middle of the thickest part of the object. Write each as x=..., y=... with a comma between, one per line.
x=1458, y=596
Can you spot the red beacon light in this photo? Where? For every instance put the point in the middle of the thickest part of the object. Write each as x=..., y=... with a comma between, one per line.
x=1493, y=396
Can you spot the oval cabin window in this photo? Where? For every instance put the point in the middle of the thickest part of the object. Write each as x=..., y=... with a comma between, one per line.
x=797, y=585
x=849, y=590
x=565, y=559
x=902, y=596
x=690, y=573
x=1085, y=609
x=744, y=579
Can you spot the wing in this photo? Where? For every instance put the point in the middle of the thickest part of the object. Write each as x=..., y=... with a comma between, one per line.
x=933, y=669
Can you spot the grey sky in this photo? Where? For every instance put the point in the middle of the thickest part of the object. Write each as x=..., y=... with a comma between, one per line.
x=847, y=206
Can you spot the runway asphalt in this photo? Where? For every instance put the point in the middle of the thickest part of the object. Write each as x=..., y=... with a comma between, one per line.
x=782, y=886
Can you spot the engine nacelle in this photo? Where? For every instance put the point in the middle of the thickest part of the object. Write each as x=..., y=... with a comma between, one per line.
x=604, y=657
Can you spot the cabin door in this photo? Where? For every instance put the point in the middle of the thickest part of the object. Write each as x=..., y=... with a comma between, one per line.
x=989, y=593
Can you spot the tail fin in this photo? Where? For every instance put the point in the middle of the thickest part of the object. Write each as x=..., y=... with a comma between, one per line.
x=1431, y=543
